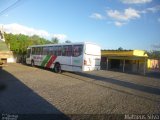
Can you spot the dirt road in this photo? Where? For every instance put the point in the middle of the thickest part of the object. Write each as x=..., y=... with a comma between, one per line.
x=37, y=91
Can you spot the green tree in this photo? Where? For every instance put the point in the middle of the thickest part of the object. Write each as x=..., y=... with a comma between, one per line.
x=55, y=40
x=19, y=42
x=120, y=48
x=67, y=41
x=155, y=54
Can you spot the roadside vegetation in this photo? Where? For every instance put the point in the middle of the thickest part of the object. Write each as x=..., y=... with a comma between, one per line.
x=155, y=54
x=19, y=42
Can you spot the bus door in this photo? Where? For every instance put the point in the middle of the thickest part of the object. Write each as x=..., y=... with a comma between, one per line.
x=77, y=58
x=28, y=57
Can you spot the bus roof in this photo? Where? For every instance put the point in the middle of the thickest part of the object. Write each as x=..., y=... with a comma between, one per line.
x=76, y=43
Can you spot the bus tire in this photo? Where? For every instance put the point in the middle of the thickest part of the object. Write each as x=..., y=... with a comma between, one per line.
x=57, y=68
x=32, y=63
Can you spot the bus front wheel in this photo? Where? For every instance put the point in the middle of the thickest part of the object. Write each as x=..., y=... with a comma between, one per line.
x=57, y=68
x=32, y=63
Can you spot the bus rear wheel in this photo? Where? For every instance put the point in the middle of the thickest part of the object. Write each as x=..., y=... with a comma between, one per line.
x=57, y=68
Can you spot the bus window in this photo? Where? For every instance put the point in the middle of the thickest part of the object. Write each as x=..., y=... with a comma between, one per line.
x=55, y=50
x=36, y=50
x=45, y=50
x=51, y=50
x=33, y=51
x=59, y=50
x=67, y=50
x=40, y=51
x=77, y=50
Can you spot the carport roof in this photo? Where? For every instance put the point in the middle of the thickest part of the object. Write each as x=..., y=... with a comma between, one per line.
x=120, y=54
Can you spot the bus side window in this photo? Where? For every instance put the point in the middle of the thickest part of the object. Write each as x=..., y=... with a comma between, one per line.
x=77, y=50
x=55, y=50
x=47, y=50
x=44, y=51
x=33, y=50
x=38, y=50
x=41, y=51
x=70, y=50
x=59, y=50
x=67, y=50
x=50, y=50
x=63, y=51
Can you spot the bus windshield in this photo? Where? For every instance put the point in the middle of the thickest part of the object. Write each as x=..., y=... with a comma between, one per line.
x=28, y=52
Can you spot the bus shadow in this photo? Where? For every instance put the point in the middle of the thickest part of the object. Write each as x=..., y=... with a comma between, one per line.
x=134, y=86
x=18, y=99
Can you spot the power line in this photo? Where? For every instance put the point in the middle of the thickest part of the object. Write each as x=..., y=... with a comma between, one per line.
x=10, y=7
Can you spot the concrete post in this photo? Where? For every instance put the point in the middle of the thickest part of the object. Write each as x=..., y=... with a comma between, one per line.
x=107, y=63
x=144, y=70
x=123, y=65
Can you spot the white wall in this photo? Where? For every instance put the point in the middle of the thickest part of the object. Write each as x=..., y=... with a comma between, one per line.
x=11, y=60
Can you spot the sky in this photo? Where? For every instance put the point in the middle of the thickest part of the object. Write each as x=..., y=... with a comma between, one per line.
x=130, y=24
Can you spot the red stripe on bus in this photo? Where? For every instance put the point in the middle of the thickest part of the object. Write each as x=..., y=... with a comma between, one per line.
x=52, y=59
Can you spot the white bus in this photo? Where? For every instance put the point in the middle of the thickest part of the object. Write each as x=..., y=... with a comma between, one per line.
x=76, y=57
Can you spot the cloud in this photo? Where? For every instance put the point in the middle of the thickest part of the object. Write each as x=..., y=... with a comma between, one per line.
x=153, y=9
x=136, y=1
x=158, y=19
x=97, y=16
x=15, y=28
x=127, y=15
x=119, y=24
x=120, y=18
